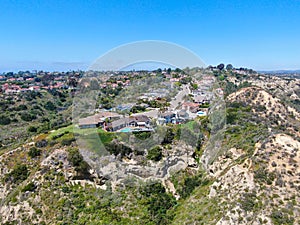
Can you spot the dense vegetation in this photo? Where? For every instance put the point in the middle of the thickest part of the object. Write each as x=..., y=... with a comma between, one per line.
x=33, y=112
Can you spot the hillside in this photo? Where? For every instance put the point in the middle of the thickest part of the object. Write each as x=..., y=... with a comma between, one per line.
x=253, y=177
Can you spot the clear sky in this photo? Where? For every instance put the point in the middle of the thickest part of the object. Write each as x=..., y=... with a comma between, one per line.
x=70, y=34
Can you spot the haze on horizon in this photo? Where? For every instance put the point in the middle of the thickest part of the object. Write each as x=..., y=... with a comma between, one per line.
x=69, y=35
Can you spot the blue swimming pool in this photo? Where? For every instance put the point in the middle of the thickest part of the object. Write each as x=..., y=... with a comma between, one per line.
x=126, y=130
x=200, y=113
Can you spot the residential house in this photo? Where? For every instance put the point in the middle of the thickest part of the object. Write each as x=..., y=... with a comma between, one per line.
x=190, y=106
x=118, y=124
x=132, y=121
x=142, y=121
x=166, y=117
x=97, y=120
x=88, y=122
x=182, y=115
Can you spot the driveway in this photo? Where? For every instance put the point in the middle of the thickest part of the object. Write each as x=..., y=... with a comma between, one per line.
x=178, y=98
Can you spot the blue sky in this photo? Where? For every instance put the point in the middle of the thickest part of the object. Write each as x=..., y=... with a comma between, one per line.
x=63, y=35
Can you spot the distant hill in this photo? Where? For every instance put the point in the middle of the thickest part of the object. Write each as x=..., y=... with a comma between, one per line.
x=280, y=72
x=283, y=73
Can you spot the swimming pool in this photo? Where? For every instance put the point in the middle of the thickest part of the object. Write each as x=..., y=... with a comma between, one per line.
x=126, y=130
x=200, y=113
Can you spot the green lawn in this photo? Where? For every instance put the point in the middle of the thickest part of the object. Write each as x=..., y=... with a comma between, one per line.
x=75, y=130
x=92, y=138
x=189, y=125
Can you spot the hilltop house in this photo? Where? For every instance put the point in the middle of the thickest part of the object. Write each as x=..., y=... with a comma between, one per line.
x=98, y=119
x=132, y=121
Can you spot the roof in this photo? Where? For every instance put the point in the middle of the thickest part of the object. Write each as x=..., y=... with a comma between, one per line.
x=182, y=113
x=141, y=118
x=190, y=104
x=90, y=120
x=106, y=114
x=97, y=118
x=166, y=114
x=119, y=122
x=127, y=120
x=199, y=98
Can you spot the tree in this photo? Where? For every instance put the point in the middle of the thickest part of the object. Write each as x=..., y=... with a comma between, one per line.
x=188, y=136
x=37, y=79
x=229, y=67
x=177, y=70
x=169, y=70
x=221, y=66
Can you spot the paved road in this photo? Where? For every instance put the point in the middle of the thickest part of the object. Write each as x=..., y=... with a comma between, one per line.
x=178, y=98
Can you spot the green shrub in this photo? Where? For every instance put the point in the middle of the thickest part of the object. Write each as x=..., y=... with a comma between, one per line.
x=18, y=174
x=169, y=137
x=137, y=109
x=158, y=202
x=52, y=143
x=41, y=144
x=118, y=148
x=32, y=129
x=142, y=135
x=248, y=201
x=50, y=106
x=29, y=187
x=67, y=141
x=57, y=136
x=78, y=162
x=4, y=120
x=190, y=183
x=34, y=152
x=65, y=189
x=280, y=218
x=27, y=117
x=264, y=176
x=20, y=108
x=186, y=183
x=155, y=153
